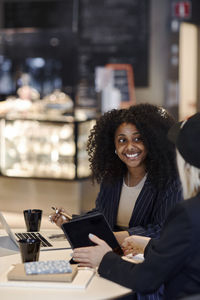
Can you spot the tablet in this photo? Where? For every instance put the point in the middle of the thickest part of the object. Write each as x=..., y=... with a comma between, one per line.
x=78, y=229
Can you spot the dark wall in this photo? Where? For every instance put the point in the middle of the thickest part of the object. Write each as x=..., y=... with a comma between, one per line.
x=92, y=33
x=195, y=17
x=39, y=14
x=115, y=31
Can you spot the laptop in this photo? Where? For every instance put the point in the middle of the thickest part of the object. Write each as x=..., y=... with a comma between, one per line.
x=50, y=240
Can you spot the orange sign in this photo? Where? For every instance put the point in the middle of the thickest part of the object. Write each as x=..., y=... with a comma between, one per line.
x=124, y=81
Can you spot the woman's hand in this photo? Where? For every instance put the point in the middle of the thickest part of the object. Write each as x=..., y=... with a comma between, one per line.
x=58, y=218
x=134, y=244
x=121, y=235
x=91, y=256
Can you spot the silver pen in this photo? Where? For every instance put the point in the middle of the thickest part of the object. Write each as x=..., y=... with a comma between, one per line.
x=62, y=213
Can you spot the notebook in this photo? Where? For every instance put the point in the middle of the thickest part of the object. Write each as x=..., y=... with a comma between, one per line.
x=50, y=240
x=78, y=229
x=80, y=281
x=18, y=273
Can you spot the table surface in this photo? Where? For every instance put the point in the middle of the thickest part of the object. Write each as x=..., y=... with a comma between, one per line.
x=98, y=288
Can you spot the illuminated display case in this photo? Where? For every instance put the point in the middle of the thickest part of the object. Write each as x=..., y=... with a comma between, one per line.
x=45, y=148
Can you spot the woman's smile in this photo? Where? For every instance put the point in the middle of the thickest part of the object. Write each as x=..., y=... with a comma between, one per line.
x=132, y=156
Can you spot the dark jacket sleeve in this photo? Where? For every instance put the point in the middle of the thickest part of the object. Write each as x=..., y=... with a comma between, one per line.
x=165, y=258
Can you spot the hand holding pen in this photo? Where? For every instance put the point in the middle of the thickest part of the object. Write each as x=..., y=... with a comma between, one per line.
x=60, y=216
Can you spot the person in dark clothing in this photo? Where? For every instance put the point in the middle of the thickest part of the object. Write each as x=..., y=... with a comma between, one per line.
x=173, y=259
x=134, y=163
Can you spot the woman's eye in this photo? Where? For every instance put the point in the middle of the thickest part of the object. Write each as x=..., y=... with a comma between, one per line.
x=137, y=139
x=121, y=140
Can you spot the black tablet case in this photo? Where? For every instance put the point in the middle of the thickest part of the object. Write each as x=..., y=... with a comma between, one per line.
x=78, y=229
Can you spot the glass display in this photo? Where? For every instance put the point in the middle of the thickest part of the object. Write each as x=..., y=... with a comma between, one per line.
x=82, y=158
x=43, y=149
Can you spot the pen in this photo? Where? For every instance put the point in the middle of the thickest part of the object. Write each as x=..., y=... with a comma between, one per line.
x=62, y=213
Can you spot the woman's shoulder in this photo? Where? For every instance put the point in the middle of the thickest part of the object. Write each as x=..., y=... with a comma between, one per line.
x=170, y=194
x=109, y=190
x=107, y=183
x=107, y=186
x=170, y=184
x=174, y=182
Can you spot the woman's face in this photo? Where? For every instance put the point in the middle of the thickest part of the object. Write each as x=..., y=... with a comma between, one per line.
x=129, y=146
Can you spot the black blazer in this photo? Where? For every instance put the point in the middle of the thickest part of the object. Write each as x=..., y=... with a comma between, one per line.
x=174, y=259
x=151, y=207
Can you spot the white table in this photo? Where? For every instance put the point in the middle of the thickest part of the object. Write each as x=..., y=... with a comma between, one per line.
x=98, y=288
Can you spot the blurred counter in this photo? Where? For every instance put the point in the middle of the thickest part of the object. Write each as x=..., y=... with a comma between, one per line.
x=43, y=148
x=44, y=138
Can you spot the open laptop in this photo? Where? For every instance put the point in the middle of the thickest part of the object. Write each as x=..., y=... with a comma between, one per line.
x=50, y=240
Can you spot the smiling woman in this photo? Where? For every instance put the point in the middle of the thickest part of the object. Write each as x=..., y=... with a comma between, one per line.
x=173, y=260
x=134, y=162
x=132, y=159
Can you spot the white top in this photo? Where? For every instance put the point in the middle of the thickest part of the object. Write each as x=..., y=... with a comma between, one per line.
x=127, y=202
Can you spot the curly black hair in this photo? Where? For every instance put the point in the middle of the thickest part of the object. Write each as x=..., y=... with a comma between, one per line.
x=153, y=123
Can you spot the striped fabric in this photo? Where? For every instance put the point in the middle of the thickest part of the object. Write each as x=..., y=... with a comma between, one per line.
x=151, y=207
x=149, y=213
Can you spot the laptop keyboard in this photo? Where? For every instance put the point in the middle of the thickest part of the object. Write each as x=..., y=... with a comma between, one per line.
x=34, y=235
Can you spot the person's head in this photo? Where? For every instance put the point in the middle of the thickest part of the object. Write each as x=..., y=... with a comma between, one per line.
x=152, y=124
x=129, y=147
x=186, y=137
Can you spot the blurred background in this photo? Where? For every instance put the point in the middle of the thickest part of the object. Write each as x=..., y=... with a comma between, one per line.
x=65, y=62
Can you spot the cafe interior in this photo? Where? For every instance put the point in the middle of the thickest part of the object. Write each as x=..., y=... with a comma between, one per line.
x=65, y=63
